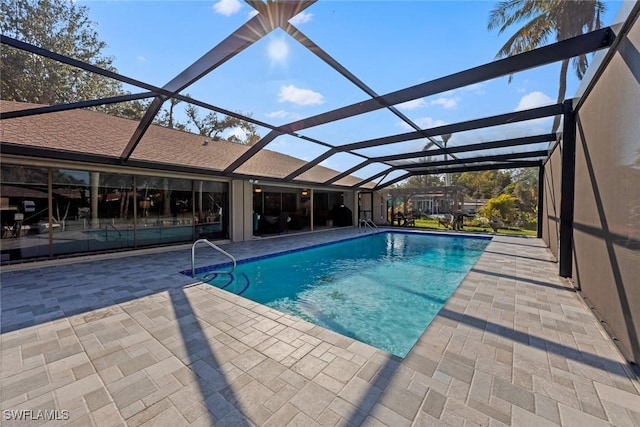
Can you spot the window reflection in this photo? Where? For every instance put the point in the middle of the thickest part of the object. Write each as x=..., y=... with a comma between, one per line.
x=210, y=210
x=92, y=211
x=165, y=210
x=24, y=203
x=278, y=210
x=99, y=211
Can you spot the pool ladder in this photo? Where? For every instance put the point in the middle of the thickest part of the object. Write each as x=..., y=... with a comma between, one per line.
x=217, y=248
x=368, y=224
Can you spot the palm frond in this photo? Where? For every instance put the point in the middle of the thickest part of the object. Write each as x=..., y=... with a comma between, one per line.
x=528, y=37
x=507, y=13
x=542, y=19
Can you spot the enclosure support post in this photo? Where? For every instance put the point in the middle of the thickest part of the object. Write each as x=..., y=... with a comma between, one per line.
x=567, y=189
x=540, y=199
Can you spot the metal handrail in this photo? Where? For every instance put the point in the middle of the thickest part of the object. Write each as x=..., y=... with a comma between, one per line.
x=368, y=223
x=106, y=232
x=217, y=248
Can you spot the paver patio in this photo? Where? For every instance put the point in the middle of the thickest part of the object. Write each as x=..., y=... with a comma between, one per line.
x=128, y=340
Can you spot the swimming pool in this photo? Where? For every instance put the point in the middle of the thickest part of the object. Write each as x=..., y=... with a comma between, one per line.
x=382, y=289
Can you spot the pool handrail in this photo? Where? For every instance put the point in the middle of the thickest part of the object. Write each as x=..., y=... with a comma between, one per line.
x=367, y=223
x=106, y=232
x=214, y=246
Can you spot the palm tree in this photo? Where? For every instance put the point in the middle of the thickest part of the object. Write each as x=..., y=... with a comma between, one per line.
x=542, y=19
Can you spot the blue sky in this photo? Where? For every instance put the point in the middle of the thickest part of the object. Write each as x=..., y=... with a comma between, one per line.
x=389, y=45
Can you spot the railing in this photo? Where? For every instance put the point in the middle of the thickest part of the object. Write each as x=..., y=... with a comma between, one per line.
x=223, y=252
x=367, y=223
x=106, y=231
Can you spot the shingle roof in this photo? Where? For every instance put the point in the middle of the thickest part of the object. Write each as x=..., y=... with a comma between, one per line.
x=91, y=132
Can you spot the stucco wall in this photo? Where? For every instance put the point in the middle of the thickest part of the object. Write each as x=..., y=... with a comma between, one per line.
x=241, y=222
x=551, y=202
x=606, y=258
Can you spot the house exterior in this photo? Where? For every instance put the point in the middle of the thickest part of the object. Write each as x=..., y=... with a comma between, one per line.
x=63, y=190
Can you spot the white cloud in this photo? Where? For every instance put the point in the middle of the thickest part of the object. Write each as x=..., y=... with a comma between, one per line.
x=301, y=18
x=429, y=122
x=412, y=105
x=237, y=132
x=141, y=58
x=447, y=103
x=532, y=100
x=282, y=114
x=424, y=123
x=299, y=96
x=278, y=50
x=227, y=7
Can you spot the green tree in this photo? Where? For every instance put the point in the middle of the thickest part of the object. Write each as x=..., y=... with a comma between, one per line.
x=502, y=206
x=213, y=125
x=484, y=184
x=421, y=181
x=524, y=187
x=543, y=19
x=166, y=117
x=62, y=27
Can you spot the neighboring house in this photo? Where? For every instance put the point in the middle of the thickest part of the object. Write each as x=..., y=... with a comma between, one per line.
x=428, y=200
x=471, y=206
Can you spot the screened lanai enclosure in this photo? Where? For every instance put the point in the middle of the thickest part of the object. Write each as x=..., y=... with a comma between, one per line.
x=117, y=173
x=374, y=171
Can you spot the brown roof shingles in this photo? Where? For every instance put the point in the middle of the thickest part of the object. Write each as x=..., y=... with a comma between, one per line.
x=77, y=130
x=170, y=146
x=97, y=133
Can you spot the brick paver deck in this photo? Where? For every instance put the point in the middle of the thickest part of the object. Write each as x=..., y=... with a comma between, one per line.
x=127, y=340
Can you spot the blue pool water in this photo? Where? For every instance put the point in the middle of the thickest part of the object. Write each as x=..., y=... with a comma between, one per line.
x=383, y=289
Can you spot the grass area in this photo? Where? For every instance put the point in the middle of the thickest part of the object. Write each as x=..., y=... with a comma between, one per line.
x=434, y=225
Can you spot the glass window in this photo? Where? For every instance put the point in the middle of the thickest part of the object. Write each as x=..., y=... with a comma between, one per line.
x=99, y=211
x=92, y=211
x=211, y=210
x=278, y=210
x=165, y=210
x=329, y=209
x=24, y=212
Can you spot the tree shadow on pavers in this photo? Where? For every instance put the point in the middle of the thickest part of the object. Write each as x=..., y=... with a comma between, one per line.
x=387, y=391
x=205, y=366
x=524, y=279
x=609, y=365
x=522, y=243
x=519, y=256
